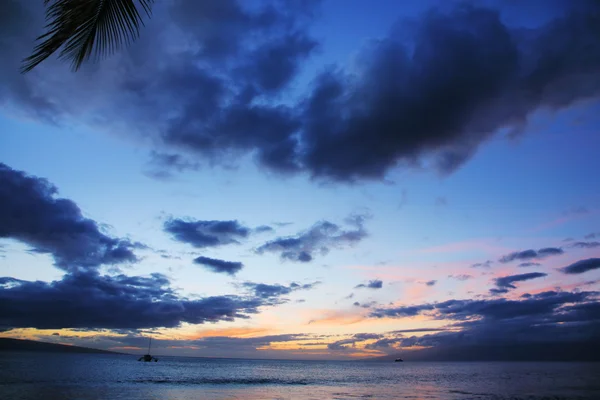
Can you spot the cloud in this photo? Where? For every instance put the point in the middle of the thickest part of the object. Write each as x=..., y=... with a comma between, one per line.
x=90, y=300
x=349, y=343
x=359, y=126
x=586, y=245
x=507, y=282
x=582, y=266
x=219, y=266
x=529, y=264
x=374, y=284
x=591, y=235
x=217, y=94
x=561, y=318
x=431, y=282
x=365, y=305
x=162, y=165
x=531, y=254
x=182, y=100
x=202, y=234
x=265, y=291
x=486, y=264
x=31, y=213
x=263, y=228
x=320, y=238
x=461, y=277
x=489, y=309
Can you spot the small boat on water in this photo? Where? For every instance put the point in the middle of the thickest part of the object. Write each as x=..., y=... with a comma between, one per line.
x=148, y=357
x=398, y=360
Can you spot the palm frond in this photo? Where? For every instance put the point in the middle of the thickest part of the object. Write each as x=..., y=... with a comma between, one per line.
x=87, y=27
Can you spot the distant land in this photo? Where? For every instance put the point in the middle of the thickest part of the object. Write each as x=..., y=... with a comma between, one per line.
x=560, y=351
x=8, y=344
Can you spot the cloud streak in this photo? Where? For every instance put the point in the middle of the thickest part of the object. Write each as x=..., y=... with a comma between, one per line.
x=531, y=254
x=374, y=284
x=202, y=234
x=505, y=283
x=219, y=266
x=267, y=291
x=582, y=266
x=319, y=239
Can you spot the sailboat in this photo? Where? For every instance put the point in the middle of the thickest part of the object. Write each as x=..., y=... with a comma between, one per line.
x=148, y=357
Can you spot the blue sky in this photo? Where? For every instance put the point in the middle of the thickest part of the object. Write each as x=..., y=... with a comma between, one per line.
x=98, y=134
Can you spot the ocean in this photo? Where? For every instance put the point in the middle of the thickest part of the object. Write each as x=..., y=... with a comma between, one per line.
x=91, y=377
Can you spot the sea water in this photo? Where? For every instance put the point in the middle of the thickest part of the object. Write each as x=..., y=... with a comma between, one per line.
x=92, y=377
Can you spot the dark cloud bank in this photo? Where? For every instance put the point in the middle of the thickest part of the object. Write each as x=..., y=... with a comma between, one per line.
x=545, y=326
x=31, y=212
x=430, y=92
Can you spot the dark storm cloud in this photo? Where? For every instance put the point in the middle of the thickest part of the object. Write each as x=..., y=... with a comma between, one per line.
x=374, y=284
x=586, y=245
x=265, y=291
x=467, y=69
x=582, y=266
x=90, y=300
x=506, y=283
x=531, y=254
x=31, y=213
x=213, y=96
x=430, y=92
x=258, y=54
x=219, y=266
x=319, y=239
x=202, y=234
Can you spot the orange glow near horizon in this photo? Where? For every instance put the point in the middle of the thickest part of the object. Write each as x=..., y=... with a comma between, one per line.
x=241, y=332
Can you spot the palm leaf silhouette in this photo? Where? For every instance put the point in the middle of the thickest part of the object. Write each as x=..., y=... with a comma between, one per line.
x=87, y=27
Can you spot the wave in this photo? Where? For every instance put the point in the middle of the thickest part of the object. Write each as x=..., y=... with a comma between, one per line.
x=225, y=381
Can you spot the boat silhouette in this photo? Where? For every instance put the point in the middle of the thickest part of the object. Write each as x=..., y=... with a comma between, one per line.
x=148, y=357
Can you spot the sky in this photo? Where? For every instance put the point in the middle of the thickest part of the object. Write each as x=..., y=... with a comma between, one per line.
x=329, y=179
